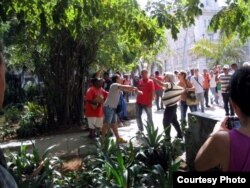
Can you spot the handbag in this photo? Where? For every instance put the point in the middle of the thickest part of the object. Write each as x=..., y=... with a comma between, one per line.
x=191, y=98
x=119, y=106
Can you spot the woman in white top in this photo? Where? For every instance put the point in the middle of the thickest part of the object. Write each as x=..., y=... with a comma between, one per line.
x=197, y=81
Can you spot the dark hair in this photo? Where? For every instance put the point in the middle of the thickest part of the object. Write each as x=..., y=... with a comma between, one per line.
x=114, y=77
x=234, y=64
x=94, y=80
x=117, y=72
x=157, y=73
x=239, y=90
x=106, y=74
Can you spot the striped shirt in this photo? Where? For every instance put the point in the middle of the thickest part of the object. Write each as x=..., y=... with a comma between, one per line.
x=172, y=94
x=225, y=81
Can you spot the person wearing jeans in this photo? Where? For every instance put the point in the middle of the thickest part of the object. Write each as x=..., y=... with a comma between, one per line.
x=184, y=108
x=196, y=81
x=200, y=97
x=214, y=97
x=186, y=84
x=110, y=105
x=139, y=110
x=144, y=100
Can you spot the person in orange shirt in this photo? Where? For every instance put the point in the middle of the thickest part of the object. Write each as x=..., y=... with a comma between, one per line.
x=206, y=85
x=94, y=100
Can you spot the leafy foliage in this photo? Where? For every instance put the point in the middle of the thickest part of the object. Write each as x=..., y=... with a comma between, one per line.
x=175, y=14
x=227, y=50
x=150, y=165
x=113, y=165
x=33, y=170
x=233, y=19
x=60, y=41
x=33, y=121
x=12, y=114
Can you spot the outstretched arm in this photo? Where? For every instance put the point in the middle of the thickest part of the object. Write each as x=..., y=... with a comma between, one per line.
x=129, y=88
x=161, y=83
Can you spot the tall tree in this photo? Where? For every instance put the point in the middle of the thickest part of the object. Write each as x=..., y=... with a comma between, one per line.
x=233, y=19
x=63, y=39
x=175, y=14
x=227, y=50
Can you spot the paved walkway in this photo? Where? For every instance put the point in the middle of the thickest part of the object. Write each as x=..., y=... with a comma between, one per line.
x=78, y=143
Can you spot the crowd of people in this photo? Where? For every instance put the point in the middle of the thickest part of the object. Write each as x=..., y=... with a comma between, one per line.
x=105, y=104
x=230, y=86
x=228, y=149
x=208, y=88
x=222, y=86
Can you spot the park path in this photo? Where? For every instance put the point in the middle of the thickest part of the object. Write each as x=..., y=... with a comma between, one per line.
x=78, y=143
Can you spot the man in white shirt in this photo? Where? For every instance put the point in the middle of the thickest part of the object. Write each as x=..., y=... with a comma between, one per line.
x=197, y=81
x=214, y=97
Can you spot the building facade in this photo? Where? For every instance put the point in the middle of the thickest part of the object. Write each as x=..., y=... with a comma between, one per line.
x=179, y=54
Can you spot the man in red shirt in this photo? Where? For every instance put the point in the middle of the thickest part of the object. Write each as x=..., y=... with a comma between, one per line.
x=144, y=100
x=158, y=91
x=94, y=98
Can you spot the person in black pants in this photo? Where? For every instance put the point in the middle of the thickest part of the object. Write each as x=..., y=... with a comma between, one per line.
x=224, y=79
x=170, y=100
x=170, y=117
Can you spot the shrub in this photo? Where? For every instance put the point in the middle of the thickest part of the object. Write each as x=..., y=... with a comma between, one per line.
x=34, y=170
x=12, y=114
x=33, y=121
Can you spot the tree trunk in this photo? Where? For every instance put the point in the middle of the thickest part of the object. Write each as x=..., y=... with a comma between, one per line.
x=65, y=73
